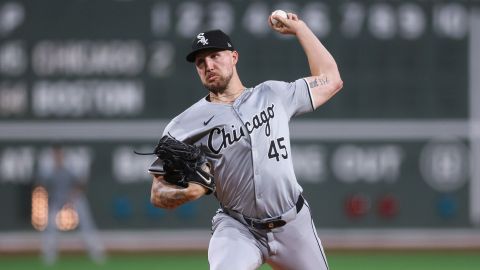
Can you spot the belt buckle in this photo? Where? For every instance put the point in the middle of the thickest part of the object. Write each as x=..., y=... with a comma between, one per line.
x=271, y=223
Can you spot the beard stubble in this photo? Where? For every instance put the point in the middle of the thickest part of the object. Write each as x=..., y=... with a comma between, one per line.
x=220, y=85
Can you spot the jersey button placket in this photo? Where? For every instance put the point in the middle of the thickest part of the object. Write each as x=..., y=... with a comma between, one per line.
x=255, y=167
x=256, y=176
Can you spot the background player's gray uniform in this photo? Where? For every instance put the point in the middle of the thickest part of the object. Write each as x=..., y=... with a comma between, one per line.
x=253, y=170
x=63, y=187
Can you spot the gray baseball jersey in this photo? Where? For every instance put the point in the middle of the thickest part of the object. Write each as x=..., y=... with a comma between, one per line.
x=62, y=186
x=249, y=142
x=253, y=168
x=60, y=183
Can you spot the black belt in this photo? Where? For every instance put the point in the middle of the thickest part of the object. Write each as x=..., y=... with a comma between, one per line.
x=272, y=223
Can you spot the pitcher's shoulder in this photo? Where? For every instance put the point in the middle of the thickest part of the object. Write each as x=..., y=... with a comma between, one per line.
x=190, y=118
x=270, y=84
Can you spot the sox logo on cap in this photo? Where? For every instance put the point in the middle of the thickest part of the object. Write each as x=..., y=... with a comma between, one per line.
x=202, y=39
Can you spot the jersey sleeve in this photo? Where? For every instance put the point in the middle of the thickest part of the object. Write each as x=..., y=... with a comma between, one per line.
x=296, y=96
x=175, y=130
x=170, y=126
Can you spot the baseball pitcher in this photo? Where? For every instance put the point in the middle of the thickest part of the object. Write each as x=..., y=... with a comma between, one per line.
x=235, y=144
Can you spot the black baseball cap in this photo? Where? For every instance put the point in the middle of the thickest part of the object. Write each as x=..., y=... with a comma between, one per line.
x=214, y=39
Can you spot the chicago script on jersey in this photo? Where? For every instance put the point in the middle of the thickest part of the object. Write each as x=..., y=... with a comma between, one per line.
x=229, y=138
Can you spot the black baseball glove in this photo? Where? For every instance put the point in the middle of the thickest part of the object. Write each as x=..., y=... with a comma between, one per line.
x=184, y=163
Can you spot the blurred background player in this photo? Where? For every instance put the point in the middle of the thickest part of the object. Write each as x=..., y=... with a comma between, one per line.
x=66, y=190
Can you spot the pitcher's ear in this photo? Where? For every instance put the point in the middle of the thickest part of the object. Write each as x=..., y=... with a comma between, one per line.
x=235, y=55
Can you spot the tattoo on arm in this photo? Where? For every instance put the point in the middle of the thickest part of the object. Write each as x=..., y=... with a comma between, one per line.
x=165, y=196
x=321, y=80
x=314, y=83
x=170, y=198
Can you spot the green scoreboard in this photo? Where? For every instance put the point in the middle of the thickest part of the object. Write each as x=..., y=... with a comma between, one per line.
x=398, y=147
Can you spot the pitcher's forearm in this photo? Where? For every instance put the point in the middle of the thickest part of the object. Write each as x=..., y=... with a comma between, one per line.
x=319, y=59
x=168, y=196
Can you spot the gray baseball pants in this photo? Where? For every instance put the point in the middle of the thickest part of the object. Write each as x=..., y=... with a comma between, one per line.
x=236, y=246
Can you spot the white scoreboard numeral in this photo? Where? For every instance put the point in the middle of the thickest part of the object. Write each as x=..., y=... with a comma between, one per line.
x=254, y=19
x=221, y=16
x=317, y=16
x=353, y=19
x=162, y=59
x=160, y=19
x=189, y=19
x=450, y=20
x=381, y=21
x=411, y=20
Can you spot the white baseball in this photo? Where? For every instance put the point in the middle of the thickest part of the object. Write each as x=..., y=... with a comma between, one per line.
x=280, y=13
